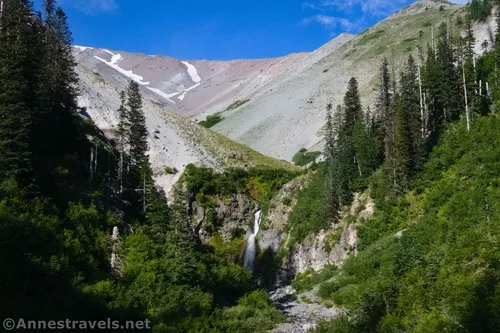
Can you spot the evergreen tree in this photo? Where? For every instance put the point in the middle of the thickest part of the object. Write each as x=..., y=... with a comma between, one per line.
x=331, y=168
x=402, y=156
x=410, y=103
x=375, y=140
x=349, y=165
x=138, y=168
x=18, y=33
x=433, y=104
x=138, y=130
x=450, y=91
x=385, y=107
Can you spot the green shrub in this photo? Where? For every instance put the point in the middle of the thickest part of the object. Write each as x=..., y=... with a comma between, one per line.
x=171, y=171
x=308, y=280
x=211, y=121
x=260, y=183
x=254, y=313
x=309, y=214
x=303, y=157
x=328, y=288
x=236, y=104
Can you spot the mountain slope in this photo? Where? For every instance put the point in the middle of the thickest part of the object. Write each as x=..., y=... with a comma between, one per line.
x=291, y=113
x=173, y=140
x=285, y=97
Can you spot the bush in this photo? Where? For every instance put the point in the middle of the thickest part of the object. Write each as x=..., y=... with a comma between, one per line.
x=211, y=121
x=303, y=157
x=254, y=313
x=171, y=171
x=309, y=215
x=307, y=281
x=260, y=183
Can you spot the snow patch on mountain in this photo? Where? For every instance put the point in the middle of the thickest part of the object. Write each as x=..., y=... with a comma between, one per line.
x=193, y=87
x=164, y=95
x=83, y=48
x=113, y=64
x=192, y=71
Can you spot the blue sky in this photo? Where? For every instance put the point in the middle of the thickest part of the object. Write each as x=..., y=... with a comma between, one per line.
x=220, y=29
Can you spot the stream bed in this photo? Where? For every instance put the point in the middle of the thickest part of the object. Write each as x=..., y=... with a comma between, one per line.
x=301, y=316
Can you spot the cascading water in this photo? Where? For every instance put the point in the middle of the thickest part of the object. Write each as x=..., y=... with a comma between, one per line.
x=93, y=162
x=251, y=249
x=91, y=165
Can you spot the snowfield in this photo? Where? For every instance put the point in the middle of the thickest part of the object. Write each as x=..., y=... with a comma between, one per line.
x=193, y=72
x=164, y=95
x=130, y=74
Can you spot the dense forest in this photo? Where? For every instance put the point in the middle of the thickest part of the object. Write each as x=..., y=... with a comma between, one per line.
x=86, y=234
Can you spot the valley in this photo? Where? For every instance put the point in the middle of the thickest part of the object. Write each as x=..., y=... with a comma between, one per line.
x=352, y=188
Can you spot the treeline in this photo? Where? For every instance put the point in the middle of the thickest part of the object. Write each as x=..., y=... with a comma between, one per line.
x=84, y=232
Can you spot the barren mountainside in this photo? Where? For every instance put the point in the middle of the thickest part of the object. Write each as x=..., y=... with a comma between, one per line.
x=275, y=106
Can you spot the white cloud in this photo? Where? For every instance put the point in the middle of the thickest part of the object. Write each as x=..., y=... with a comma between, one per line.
x=371, y=7
x=93, y=7
x=350, y=15
x=329, y=21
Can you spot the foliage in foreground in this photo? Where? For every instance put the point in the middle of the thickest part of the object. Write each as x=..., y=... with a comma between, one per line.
x=442, y=273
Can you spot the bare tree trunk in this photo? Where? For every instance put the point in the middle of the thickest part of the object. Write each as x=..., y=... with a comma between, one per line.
x=466, y=102
x=426, y=115
x=144, y=193
x=116, y=262
x=474, y=64
x=356, y=160
x=421, y=102
x=433, y=43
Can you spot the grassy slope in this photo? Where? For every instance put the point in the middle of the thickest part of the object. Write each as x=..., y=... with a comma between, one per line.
x=393, y=38
x=229, y=153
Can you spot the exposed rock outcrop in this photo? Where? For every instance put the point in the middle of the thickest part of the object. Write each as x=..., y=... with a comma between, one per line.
x=332, y=246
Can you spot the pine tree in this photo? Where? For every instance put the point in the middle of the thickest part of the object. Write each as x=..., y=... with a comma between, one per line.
x=57, y=91
x=385, y=109
x=18, y=35
x=349, y=165
x=138, y=130
x=139, y=170
x=402, y=156
x=123, y=139
x=450, y=92
x=375, y=140
x=432, y=102
x=410, y=101
x=330, y=153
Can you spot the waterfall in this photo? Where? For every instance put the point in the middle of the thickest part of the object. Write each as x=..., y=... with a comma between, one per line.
x=91, y=165
x=93, y=162
x=95, y=158
x=251, y=248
